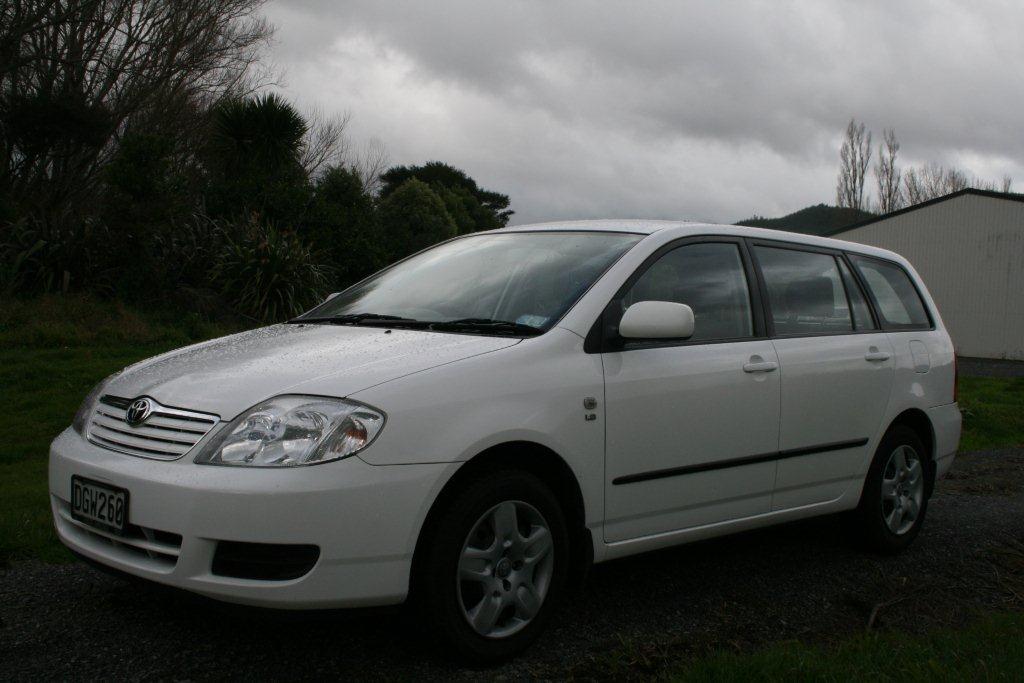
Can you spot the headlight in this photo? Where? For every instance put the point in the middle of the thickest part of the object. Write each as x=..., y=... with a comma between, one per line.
x=81, y=419
x=294, y=430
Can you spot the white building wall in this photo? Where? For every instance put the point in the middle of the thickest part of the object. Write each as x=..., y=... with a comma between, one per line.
x=970, y=252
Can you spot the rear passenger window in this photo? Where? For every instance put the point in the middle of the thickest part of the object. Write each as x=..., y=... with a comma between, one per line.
x=861, y=312
x=898, y=301
x=707, y=277
x=805, y=291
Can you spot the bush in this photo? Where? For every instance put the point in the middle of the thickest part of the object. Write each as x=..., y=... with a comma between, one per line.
x=345, y=227
x=270, y=274
x=20, y=252
x=57, y=321
x=414, y=217
x=38, y=258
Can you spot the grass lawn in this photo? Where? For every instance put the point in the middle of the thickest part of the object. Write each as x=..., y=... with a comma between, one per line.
x=993, y=410
x=988, y=650
x=52, y=352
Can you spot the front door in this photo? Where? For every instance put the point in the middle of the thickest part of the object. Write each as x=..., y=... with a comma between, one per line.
x=691, y=426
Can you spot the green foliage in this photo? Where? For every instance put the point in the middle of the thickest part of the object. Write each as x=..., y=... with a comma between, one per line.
x=43, y=121
x=253, y=158
x=20, y=253
x=819, y=219
x=472, y=207
x=989, y=650
x=270, y=274
x=993, y=411
x=36, y=257
x=413, y=218
x=140, y=169
x=64, y=322
x=262, y=134
x=215, y=203
x=346, y=227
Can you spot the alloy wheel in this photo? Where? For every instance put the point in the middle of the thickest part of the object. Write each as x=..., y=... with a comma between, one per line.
x=505, y=569
x=902, y=490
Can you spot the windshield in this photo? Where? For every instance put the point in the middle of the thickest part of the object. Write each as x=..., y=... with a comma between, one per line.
x=509, y=282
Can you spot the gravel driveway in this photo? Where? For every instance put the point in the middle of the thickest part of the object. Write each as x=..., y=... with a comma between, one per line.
x=798, y=581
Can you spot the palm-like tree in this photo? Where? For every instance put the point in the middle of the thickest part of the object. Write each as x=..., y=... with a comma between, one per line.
x=263, y=134
x=254, y=159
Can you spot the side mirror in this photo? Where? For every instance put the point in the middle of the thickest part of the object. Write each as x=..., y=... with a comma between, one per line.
x=657, y=320
x=331, y=296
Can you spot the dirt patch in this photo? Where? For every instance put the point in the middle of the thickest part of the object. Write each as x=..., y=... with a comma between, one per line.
x=998, y=472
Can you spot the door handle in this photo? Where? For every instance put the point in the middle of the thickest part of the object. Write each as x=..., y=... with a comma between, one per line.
x=760, y=366
x=876, y=356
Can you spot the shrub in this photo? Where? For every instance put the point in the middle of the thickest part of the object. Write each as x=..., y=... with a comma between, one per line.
x=414, y=217
x=269, y=274
x=36, y=258
x=344, y=226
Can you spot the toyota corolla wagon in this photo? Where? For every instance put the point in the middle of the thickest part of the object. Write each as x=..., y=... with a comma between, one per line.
x=472, y=427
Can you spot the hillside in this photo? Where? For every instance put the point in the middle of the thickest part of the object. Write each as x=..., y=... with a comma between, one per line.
x=820, y=219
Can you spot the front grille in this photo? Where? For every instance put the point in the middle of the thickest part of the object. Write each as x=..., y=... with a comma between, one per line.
x=167, y=433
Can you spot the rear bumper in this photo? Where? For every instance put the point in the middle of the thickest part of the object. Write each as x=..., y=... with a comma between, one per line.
x=946, y=423
x=364, y=520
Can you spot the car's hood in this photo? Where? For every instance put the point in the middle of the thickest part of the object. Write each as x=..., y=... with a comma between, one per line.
x=225, y=376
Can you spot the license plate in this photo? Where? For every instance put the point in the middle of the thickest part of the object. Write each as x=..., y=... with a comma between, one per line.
x=99, y=504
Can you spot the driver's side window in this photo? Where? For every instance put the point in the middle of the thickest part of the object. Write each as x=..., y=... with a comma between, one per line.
x=709, y=278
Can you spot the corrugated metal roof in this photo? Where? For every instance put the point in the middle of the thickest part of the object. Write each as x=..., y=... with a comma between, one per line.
x=1011, y=196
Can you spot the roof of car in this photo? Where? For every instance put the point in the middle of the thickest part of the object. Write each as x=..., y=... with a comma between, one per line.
x=683, y=228
x=604, y=225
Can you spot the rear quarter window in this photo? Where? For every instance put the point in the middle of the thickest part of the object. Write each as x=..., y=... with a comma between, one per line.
x=896, y=298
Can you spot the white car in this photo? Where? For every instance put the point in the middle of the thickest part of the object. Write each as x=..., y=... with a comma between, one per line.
x=473, y=426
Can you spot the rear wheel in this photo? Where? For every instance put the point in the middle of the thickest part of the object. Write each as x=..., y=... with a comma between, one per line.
x=494, y=566
x=895, y=497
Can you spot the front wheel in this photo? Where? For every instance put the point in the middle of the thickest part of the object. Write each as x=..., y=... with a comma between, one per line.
x=494, y=566
x=895, y=497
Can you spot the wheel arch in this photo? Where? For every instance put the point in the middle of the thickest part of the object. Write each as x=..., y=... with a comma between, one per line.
x=542, y=462
x=918, y=420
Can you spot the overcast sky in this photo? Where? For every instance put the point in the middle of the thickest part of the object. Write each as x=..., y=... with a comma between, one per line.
x=711, y=111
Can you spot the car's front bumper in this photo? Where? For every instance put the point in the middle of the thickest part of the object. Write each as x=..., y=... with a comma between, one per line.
x=365, y=520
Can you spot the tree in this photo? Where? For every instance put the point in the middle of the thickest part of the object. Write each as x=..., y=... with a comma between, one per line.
x=888, y=175
x=933, y=180
x=483, y=209
x=255, y=159
x=346, y=227
x=76, y=76
x=854, y=156
x=325, y=144
x=413, y=217
x=370, y=163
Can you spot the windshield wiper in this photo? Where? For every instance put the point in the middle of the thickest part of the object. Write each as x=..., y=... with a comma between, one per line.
x=383, y=320
x=357, y=318
x=486, y=325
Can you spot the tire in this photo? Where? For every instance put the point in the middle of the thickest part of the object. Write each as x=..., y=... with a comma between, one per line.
x=888, y=524
x=506, y=577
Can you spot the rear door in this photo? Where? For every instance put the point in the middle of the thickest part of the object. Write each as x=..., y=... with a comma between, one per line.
x=836, y=370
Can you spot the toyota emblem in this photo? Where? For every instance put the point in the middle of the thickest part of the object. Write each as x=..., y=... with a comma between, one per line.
x=138, y=411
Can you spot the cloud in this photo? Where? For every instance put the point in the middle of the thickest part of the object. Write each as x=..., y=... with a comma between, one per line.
x=662, y=109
